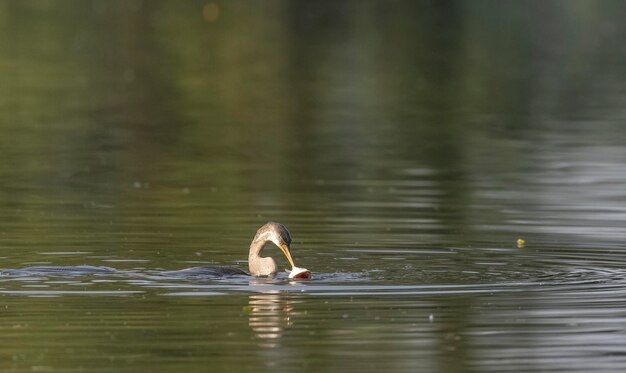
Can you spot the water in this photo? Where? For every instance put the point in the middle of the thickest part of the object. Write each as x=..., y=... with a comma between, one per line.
x=407, y=146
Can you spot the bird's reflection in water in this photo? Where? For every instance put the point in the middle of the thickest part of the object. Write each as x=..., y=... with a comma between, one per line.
x=270, y=314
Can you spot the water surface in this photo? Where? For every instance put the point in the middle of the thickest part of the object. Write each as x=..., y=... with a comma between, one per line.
x=407, y=146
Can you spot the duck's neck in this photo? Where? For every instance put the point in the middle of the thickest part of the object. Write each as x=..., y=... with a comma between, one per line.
x=257, y=265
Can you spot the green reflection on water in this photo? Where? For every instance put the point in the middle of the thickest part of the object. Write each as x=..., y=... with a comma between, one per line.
x=169, y=131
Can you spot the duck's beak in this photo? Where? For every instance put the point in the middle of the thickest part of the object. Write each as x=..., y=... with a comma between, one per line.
x=285, y=249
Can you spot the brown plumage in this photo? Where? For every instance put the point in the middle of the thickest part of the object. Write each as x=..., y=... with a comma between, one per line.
x=279, y=236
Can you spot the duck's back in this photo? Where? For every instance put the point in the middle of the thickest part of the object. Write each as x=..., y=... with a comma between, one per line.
x=206, y=272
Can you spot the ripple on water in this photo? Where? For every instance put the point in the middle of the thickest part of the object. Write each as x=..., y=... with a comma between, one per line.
x=372, y=282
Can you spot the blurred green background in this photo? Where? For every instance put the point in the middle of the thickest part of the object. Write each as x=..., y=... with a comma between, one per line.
x=417, y=140
x=262, y=101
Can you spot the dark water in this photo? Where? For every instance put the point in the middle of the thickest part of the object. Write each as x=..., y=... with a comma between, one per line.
x=406, y=145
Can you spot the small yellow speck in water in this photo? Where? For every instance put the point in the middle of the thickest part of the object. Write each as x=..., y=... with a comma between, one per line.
x=520, y=243
x=210, y=12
